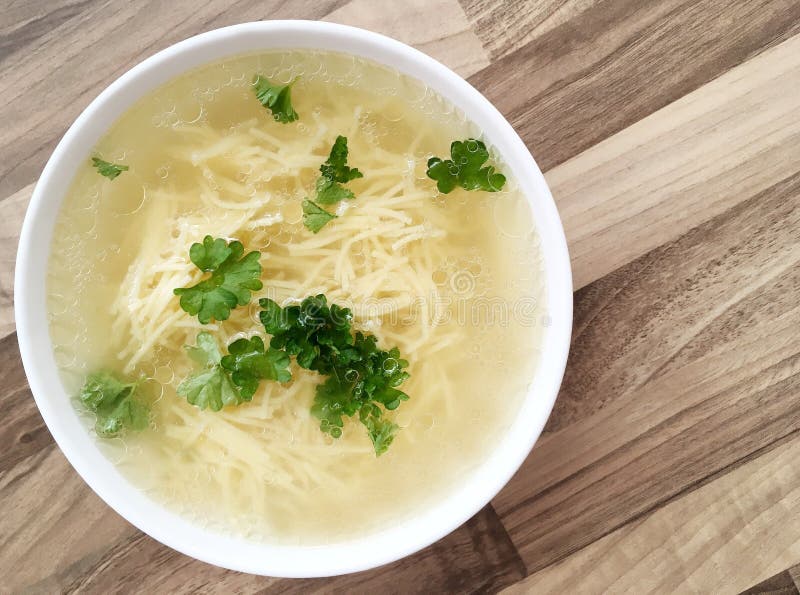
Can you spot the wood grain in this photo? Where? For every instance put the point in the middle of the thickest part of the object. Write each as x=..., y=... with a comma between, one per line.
x=669, y=133
x=695, y=158
x=750, y=516
x=683, y=363
x=12, y=211
x=449, y=40
x=780, y=584
x=508, y=26
x=622, y=60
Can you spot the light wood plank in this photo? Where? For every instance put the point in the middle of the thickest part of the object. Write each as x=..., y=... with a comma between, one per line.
x=67, y=529
x=682, y=363
x=508, y=26
x=719, y=539
x=684, y=164
x=620, y=61
x=12, y=212
x=419, y=23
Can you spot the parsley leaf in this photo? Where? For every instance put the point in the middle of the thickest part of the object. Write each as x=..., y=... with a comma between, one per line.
x=312, y=331
x=315, y=217
x=377, y=372
x=336, y=172
x=464, y=168
x=232, y=279
x=361, y=376
x=381, y=431
x=249, y=362
x=276, y=98
x=108, y=169
x=329, y=190
x=333, y=401
x=114, y=403
x=335, y=168
x=210, y=386
x=233, y=378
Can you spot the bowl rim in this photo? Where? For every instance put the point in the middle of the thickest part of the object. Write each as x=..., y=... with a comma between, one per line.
x=235, y=553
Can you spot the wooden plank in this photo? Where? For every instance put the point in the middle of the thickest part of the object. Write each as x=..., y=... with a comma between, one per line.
x=22, y=430
x=682, y=165
x=683, y=363
x=620, y=61
x=82, y=46
x=54, y=527
x=738, y=529
x=780, y=584
x=12, y=212
x=417, y=23
x=508, y=26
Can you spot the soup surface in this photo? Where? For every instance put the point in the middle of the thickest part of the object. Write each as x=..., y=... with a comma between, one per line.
x=453, y=280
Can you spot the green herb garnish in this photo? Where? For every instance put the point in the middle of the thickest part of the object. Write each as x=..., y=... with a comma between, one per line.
x=210, y=386
x=114, y=403
x=369, y=378
x=249, y=363
x=464, y=168
x=315, y=217
x=231, y=379
x=335, y=168
x=329, y=190
x=276, y=98
x=108, y=169
x=381, y=431
x=233, y=277
x=361, y=377
x=312, y=331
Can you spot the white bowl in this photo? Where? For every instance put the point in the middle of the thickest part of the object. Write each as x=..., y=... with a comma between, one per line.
x=429, y=524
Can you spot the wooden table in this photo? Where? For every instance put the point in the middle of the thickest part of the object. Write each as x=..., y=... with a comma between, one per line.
x=669, y=132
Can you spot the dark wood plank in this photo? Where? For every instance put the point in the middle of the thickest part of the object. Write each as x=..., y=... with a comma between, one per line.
x=22, y=430
x=780, y=584
x=683, y=365
x=621, y=60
